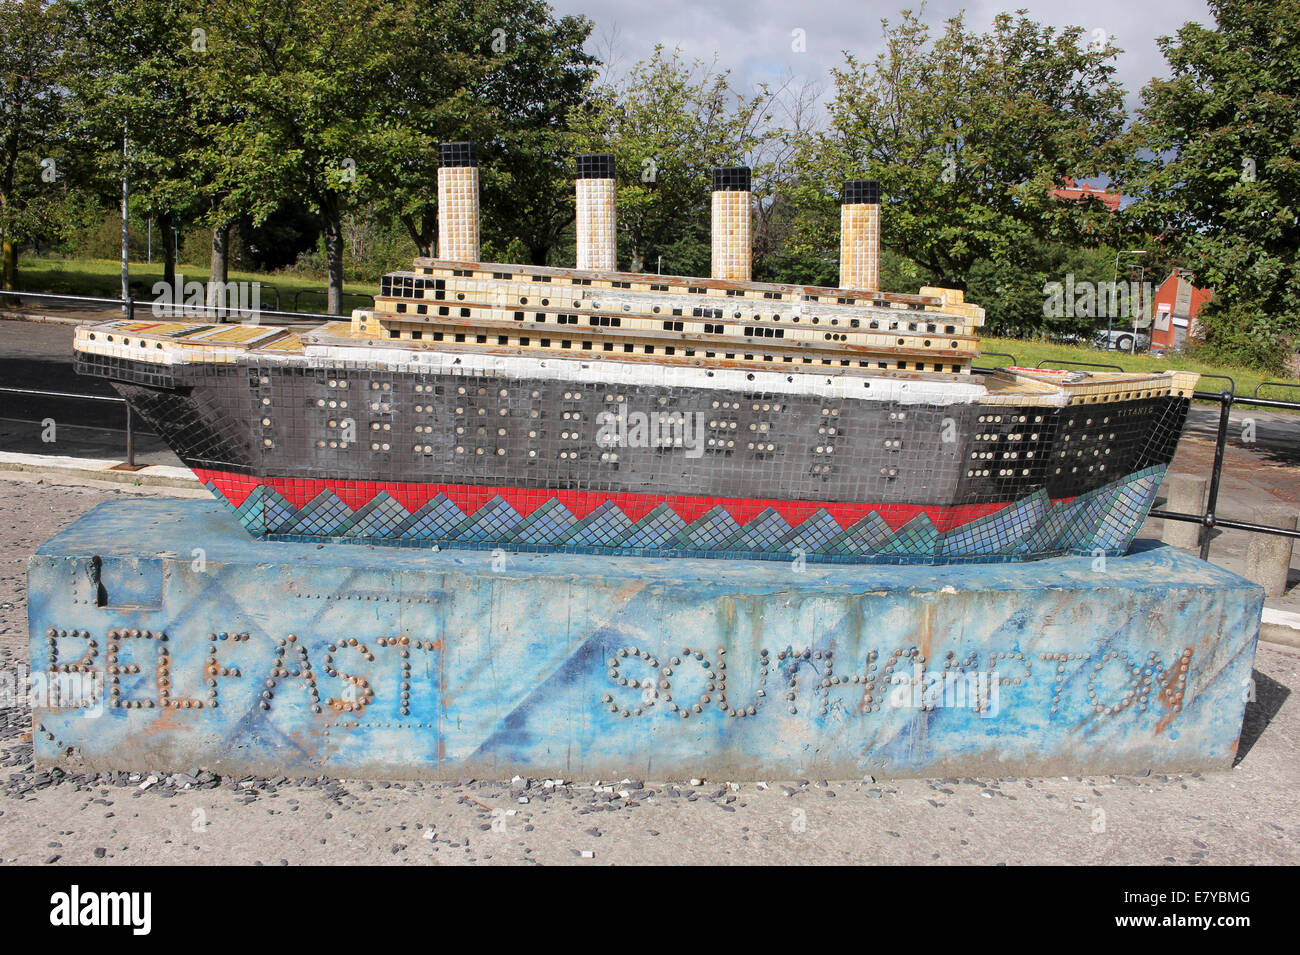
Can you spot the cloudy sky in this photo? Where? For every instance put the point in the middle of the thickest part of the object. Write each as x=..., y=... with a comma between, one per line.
x=753, y=37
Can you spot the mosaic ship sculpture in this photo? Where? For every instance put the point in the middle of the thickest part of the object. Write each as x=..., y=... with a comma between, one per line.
x=529, y=408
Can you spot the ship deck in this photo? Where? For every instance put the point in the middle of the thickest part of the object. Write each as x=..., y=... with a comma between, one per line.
x=170, y=342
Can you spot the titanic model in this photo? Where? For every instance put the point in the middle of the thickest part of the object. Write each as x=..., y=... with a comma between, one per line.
x=523, y=407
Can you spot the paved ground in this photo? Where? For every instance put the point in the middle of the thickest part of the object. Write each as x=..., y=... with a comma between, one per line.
x=1247, y=815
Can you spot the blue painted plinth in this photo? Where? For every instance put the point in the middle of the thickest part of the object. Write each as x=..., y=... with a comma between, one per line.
x=187, y=644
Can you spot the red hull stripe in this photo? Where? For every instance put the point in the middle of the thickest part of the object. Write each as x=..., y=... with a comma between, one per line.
x=469, y=498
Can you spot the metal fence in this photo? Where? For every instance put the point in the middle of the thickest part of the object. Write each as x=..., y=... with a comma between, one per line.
x=108, y=399
x=1208, y=519
x=220, y=313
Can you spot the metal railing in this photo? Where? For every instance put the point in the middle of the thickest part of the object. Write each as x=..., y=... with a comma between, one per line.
x=107, y=399
x=1275, y=384
x=1232, y=385
x=1002, y=354
x=1210, y=519
x=1077, y=364
x=129, y=308
x=130, y=305
x=315, y=291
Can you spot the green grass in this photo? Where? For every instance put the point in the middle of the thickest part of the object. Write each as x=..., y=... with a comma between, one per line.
x=103, y=278
x=1031, y=353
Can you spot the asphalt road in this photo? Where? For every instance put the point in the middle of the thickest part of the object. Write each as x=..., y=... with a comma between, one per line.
x=39, y=356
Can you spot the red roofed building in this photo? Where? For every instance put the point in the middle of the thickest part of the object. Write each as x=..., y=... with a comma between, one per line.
x=1174, y=309
x=1074, y=192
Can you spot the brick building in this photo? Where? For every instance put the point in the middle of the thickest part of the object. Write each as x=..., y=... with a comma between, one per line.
x=1174, y=309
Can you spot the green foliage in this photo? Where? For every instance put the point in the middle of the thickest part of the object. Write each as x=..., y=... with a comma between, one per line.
x=288, y=120
x=36, y=40
x=141, y=79
x=799, y=268
x=1244, y=334
x=668, y=122
x=1217, y=168
x=370, y=248
x=504, y=73
x=293, y=124
x=339, y=105
x=531, y=89
x=1013, y=294
x=969, y=134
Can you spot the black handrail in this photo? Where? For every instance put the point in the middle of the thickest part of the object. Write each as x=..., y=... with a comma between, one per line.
x=274, y=290
x=130, y=433
x=1226, y=378
x=172, y=311
x=1278, y=384
x=342, y=295
x=1210, y=519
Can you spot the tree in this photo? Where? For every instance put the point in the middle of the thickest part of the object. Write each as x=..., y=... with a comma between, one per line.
x=304, y=90
x=505, y=74
x=1217, y=172
x=36, y=56
x=667, y=122
x=969, y=134
x=142, y=75
x=536, y=76
x=339, y=106
x=791, y=213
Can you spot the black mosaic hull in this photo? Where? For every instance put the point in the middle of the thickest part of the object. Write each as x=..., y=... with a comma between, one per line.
x=365, y=453
x=880, y=452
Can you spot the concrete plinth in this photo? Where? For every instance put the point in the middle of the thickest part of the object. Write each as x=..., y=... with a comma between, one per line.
x=192, y=645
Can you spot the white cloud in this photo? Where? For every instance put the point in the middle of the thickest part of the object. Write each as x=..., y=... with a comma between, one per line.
x=753, y=38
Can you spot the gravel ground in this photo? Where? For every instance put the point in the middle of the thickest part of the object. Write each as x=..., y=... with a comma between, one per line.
x=1246, y=816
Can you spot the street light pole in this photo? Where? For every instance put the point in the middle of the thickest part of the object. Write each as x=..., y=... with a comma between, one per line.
x=126, y=212
x=1114, y=283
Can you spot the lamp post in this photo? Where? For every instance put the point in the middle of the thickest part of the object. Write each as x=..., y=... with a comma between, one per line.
x=1114, y=281
x=126, y=213
x=1144, y=304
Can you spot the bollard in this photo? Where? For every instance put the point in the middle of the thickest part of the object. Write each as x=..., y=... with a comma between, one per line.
x=1186, y=495
x=1268, y=556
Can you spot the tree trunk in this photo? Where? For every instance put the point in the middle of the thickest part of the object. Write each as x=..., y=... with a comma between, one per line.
x=167, y=231
x=10, y=263
x=423, y=234
x=334, y=258
x=218, y=272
